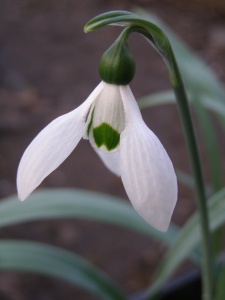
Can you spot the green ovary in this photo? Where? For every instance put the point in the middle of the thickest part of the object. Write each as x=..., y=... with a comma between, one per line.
x=105, y=135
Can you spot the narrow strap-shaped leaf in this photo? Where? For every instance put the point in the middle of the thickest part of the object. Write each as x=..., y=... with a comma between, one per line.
x=68, y=203
x=211, y=145
x=220, y=283
x=187, y=239
x=168, y=97
x=52, y=261
x=74, y=203
x=158, y=98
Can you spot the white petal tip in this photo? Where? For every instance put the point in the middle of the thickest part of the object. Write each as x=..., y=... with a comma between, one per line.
x=22, y=197
x=159, y=222
x=23, y=188
x=158, y=211
x=162, y=227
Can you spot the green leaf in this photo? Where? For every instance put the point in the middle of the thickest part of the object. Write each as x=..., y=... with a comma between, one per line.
x=52, y=261
x=215, y=106
x=70, y=203
x=74, y=203
x=187, y=239
x=212, y=146
x=220, y=287
x=167, y=97
x=159, y=98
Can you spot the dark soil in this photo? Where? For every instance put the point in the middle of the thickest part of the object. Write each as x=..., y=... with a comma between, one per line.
x=48, y=66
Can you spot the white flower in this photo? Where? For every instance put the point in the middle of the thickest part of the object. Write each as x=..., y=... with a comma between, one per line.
x=111, y=120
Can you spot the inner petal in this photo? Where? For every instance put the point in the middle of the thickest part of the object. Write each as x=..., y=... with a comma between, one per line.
x=107, y=120
x=109, y=108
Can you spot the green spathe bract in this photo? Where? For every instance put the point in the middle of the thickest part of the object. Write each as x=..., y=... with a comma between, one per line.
x=105, y=135
x=117, y=65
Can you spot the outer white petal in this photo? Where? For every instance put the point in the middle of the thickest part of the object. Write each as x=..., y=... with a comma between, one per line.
x=111, y=160
x=146, y=169
x=52, y=146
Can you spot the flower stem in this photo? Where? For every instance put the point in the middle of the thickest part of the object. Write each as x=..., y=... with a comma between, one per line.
x=207, y=262
x=186, y=119
x=160, y=42
x=182, y=103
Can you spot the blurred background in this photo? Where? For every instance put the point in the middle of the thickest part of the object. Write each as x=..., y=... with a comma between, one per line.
x=48, y=66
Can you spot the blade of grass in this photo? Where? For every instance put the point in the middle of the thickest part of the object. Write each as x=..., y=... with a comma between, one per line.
x=159, y=98
x=187, y=239
x=74, y=203
x=69, y=203
x=220, y=283
x=52, y=261
x=214, y=160
x=211, y=145
x=167, y=97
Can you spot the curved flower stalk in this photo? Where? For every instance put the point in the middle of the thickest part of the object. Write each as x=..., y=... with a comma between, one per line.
x=111, y=120
x=159, y=41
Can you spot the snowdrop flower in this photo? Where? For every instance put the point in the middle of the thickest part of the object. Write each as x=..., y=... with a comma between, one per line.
x=110, y=118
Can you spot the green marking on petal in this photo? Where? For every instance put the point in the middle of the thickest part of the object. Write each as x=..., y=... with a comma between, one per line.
x=90, y=123
x=105, y=135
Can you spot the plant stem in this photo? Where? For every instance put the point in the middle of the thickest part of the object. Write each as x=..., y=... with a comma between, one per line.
x=160, y=42
x=207, y=263
x=183, y=105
